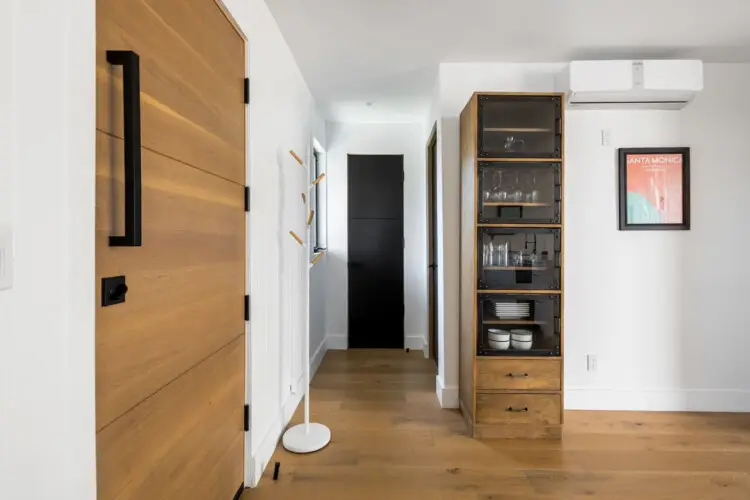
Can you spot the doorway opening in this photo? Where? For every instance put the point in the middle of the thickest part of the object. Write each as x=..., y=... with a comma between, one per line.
x=432, y=197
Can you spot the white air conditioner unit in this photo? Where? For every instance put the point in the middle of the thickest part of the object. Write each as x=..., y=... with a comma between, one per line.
x=631, y=84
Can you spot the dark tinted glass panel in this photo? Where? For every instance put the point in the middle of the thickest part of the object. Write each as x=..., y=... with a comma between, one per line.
x=518, y=325
x=520, y=126
x=520, y=192
x=519, y=259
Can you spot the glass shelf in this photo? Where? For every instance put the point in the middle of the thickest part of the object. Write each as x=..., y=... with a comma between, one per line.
x=520, y=193
x=537, y=313
x=518, y=258
x=518, y=126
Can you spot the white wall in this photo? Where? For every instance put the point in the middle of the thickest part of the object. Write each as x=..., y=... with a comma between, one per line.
x=281, y=117
x=47, y=444
x=680, y=293
x=377, y=138
x=629, y=290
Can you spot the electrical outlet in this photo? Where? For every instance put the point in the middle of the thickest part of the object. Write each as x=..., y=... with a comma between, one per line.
x=591, y=363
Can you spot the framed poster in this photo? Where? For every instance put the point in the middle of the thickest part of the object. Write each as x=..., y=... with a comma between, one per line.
x=654, y=188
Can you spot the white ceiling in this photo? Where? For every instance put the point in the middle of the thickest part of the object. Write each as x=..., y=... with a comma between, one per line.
x=387, y=51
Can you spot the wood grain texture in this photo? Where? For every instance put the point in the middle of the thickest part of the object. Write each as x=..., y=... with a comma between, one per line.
x=562, y=257
x=541, y=409
x=468, y=281
x=391, y=440
x=184, y=442
x=186, y=283
x=513, y=374
x=192, y=65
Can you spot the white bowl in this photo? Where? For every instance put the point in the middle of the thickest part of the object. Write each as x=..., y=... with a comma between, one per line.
x=499, y=335
x=521, y=345
x=521, y=335
x=501, y=346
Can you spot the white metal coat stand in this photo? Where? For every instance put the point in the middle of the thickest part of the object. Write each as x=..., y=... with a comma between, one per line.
x=307, y=437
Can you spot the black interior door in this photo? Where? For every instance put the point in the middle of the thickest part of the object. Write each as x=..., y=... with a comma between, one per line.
x=376, y=251
x=432, y=245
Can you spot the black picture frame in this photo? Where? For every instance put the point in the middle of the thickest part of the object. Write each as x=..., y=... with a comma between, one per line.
x=624, y=225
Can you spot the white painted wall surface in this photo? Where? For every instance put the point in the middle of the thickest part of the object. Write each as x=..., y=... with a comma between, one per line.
x=377, y=138
x=47, y=120
x=281, y=117
x=658, y=285
x=669, y=331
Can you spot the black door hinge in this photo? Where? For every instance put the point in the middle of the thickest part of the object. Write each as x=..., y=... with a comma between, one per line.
x=247, y=418
x=247, y=91
x=403, y=176
x=247, y=308
x=247, y=198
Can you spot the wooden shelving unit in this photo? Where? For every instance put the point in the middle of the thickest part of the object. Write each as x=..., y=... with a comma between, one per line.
x=495, y=401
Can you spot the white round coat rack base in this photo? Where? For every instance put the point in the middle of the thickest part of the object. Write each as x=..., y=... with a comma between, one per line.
x=297, y=440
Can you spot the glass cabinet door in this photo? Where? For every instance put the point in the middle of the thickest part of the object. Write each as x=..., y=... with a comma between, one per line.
x=520, y=126
x=518, y=259
x=519, y=193
x=518, y=325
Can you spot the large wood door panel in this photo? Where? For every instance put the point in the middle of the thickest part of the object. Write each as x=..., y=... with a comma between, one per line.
x=192, y=68
x=184, y=440
x=186, y=283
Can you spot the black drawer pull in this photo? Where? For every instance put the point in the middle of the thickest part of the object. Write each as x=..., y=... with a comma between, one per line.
x=525, y=409
x=132, y=138
x=517, y=375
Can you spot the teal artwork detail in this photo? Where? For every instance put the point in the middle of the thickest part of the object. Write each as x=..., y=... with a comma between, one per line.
x=640, y=211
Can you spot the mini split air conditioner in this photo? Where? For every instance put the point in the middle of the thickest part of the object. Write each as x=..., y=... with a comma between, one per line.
x=631, y=84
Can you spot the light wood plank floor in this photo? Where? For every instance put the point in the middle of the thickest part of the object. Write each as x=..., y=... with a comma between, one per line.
x=391, y=441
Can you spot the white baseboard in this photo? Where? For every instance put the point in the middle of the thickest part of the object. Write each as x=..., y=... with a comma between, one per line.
x=317, y=357
x=708, y=400
x=447, y=396
x=413, y=342
x=259, y=461
x=337, y=342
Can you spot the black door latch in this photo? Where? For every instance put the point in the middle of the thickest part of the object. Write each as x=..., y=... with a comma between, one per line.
x=113, y=290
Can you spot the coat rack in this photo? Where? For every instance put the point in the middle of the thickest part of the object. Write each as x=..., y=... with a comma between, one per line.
x=307, y=437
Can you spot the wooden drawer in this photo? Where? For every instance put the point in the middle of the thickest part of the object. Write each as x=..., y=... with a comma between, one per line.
x=518, y=374
x=541, y=409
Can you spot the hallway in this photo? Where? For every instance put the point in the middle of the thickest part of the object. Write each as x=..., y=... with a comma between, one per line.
x=391, y=441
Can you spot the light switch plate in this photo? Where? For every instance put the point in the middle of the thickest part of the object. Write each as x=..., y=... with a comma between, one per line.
x=6, y=258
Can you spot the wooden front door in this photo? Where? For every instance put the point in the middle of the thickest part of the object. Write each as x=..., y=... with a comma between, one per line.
x=170, y=359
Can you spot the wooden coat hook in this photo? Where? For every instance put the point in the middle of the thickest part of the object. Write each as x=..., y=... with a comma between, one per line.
x=294, y=235
x=319, y=178
x=317, y=258
x=294, y=155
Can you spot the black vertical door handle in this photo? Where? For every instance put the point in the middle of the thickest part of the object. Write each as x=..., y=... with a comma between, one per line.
x=131, y=84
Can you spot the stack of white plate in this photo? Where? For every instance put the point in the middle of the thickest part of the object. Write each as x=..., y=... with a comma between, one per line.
x=512, y=310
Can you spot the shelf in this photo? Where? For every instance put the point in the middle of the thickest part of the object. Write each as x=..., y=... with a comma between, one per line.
x=516, y=204
x=521, y=291
x=500, y=159
x=530, y=226
x=517, y=129
x=549, y=353
x=513, y=322
x=514, y=268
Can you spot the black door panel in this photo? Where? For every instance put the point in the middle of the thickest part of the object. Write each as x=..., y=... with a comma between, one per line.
x=376, y=256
